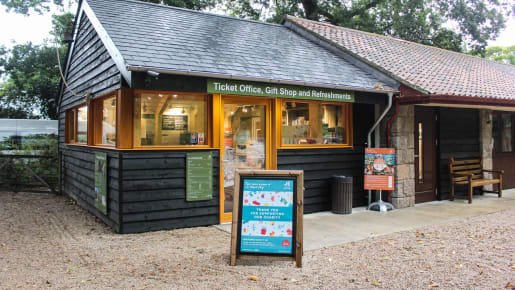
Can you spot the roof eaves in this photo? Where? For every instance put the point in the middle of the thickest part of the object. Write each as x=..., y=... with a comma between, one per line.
x=256, y=79
x=344, y=49
x=107, y=41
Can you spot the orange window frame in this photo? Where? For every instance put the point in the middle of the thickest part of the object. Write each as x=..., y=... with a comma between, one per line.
x=210, y=139
x=97, y=106
x=71, y=125
x=347, y=117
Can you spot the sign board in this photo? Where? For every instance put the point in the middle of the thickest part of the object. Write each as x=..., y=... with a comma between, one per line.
x=232, y=87
x=175, y=122
x=379, y=168
x=199, y=176
x=267, y=215
x=101, y=182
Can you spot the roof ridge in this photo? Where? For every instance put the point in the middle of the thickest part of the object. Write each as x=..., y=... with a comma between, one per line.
x=199, y=12
x=401, y=40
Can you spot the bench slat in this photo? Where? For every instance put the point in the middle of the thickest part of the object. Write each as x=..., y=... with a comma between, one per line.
x=481, y=182
x=463, y=162
x=466, y=178
x=464, y=167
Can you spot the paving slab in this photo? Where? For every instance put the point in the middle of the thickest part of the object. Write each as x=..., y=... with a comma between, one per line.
x=326, y=229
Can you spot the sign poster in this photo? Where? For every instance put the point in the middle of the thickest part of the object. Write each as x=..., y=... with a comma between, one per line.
x=175, y=122
x=245, y=88
x=267, y=216
x=379, y=168
x=199, y=176
x=101, y=182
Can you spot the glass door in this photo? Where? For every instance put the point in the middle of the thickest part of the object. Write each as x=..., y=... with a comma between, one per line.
x=244, y=144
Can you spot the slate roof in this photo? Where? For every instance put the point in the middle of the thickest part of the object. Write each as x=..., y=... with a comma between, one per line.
x=161, y=37
x=425, y=68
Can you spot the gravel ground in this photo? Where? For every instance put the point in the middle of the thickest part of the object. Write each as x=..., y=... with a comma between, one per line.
x=46, y=241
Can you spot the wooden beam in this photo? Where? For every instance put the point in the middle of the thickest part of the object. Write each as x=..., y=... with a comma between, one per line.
x=124, y=118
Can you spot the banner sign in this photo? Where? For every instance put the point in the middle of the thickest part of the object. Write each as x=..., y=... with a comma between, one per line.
x=101, y=182
x=199, y=176
x=379, y=168
x=267, y=214
x=242, y=88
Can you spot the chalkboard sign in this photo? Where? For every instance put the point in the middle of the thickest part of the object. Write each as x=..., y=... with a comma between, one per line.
x=199, y=176
x=174, y=122
x=267, y=215
x=101, y=182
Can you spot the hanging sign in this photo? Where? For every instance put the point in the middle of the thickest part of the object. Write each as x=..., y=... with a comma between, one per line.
x=232, y=87
x=267, y=214
x=379, y=168
x=199, y=176
x=101, y=182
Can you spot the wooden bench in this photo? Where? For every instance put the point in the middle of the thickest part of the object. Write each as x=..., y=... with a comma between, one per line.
x=470, y=172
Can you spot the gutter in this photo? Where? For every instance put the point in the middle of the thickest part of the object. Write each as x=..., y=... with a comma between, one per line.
x=455, y=100
x=369, y=136
x=255, y=79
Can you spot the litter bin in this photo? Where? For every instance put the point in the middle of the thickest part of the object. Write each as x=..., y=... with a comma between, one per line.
x=342, y=194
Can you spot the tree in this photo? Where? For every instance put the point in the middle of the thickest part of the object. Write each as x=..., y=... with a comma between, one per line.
x=32, y=75
x=501, y=54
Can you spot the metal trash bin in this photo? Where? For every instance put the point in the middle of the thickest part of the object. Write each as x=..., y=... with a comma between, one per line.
x=342, y=194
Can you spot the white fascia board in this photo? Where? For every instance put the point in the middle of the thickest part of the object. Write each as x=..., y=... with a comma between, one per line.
x=108, y=42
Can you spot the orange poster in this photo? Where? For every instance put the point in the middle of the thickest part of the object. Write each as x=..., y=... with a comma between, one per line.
x=379, y=168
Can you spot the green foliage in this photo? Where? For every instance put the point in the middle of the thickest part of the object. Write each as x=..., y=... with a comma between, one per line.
x=28, y=6
x=32, y=75
x=501, y=54
x=189, y=4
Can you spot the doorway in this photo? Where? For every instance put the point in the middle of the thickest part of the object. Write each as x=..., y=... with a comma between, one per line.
x=426, y=171
x=245, y=132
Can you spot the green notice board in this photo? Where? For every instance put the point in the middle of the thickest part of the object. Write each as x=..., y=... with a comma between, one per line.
x=101, y=182
x=199, y=176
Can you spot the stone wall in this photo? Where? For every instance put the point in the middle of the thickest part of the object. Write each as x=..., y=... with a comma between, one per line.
x=485, y=120
x=403, y=140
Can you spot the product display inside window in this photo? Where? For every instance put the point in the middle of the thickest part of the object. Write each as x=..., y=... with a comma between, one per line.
x=109, y=121
x=170, y=120
x=82, y=125
x=313, y=123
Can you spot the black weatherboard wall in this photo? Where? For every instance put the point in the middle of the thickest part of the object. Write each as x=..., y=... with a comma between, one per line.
x=91, y=70
x=458, y=138
x=154, y=193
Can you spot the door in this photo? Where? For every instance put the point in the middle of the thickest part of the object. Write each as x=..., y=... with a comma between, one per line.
x=426, y=173
x=245, y=141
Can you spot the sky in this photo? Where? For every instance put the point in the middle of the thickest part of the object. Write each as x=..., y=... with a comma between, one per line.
x=36, y=28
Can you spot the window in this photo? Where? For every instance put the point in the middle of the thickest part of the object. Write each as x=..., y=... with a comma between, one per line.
x=105, y=121
x=77, y=125
x=502, y=132
x=314, y=123
x=170, y=119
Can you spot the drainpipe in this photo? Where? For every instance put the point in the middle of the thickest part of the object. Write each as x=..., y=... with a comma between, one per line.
x=369, y=136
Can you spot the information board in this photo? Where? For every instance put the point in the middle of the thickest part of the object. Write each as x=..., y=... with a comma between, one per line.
x=379, y=168
x=101, y=182
x=175, y=122
x=199, y=176
x=267, y=215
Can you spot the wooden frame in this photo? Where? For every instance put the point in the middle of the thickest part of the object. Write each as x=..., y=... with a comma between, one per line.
x=209, y=123
x=71, y=126
x=298, y=247
x=347, y=111
x=269, y=153
x=97, y=106
x=497, y=115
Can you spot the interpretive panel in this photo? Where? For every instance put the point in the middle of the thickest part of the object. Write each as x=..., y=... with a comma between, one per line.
x=199, y=176
x=101, y=182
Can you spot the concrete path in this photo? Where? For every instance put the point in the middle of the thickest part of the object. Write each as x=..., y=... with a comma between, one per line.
x=326, y=229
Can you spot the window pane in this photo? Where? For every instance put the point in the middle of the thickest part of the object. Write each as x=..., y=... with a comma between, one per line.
x=82, y=125
x=170, y=119
x=313, y=123
x=109, y=121
x=506, y=133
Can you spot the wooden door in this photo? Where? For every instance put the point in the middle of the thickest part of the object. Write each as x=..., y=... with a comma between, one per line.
x=426, y=172
x=245, y=131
